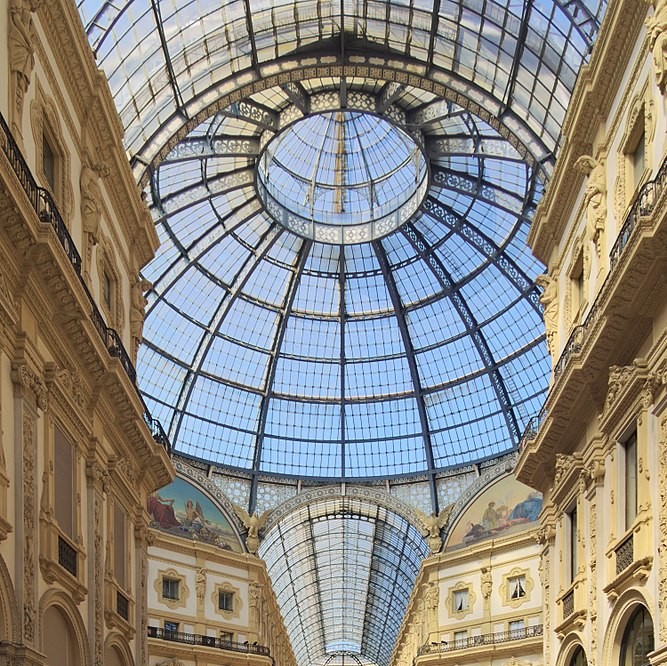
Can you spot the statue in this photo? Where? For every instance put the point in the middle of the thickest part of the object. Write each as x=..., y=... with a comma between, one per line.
x=595, y=198
x=200, y=587
x=21, y=39
x=431, y=601
x=487, y=584
x=656, y=26
x=255, y=603
x=432, y=525
x=91, y=207
x=138, y=311
x=253, y=524
x=549, y=300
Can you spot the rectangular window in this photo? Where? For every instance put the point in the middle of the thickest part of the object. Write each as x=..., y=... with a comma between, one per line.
x=170, y=588
x=517, y=628
x=106, y=290
x=48, y=163
x=226, y=601
x=460, y=638
x=170, y=627
x=226, y=636
x=630, y=449
x=517, y=587
x=119, y=547
x=638, y=159
x=572, y=538
x=461, y=600
x=63, y=470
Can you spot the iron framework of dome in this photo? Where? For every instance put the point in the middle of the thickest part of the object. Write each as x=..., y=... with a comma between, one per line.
x=391, y=350
x=364, y=355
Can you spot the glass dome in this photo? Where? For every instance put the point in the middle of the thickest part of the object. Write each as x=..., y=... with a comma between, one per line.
x=342, y=176
x=268, y=350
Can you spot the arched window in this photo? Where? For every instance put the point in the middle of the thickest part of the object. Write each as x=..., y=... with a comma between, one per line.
x=579, y=658
x=637, y=639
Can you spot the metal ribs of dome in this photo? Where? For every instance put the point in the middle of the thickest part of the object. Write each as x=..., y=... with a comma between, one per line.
x=388, y=358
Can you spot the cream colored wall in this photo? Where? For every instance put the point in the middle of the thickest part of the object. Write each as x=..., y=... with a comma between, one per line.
x=515, y=554
x=576, y=457
x=205, y=621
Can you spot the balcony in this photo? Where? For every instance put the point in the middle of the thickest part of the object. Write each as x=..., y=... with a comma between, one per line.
x=616, y=316
x=498, y=638
x=48, y=214
x=208, y=641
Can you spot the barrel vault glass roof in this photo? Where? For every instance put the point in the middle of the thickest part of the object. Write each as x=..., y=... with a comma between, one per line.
x=360, y=351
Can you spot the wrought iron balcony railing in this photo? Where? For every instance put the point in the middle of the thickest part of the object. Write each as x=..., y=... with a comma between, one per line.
x=48, y=213
x=624, y=554
x=568, y=604
x=66, y=556
x=207, y=641
x=642, y=206
x=483, y=639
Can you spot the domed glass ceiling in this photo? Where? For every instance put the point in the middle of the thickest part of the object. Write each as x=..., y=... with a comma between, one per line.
x=404, y=350
x=342, y=176
x=410, y=353
x=348, y=351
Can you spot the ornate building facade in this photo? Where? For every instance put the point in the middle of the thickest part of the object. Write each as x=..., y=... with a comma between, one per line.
x=115, y=550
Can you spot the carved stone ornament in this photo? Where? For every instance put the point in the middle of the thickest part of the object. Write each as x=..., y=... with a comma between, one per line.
x=71, y=382
x=563, y=465
x=96, y=472
x=657, y=33
x=549, y=300
x=171, y=662
x=619, y=376
x=126, y=470
x=24, y=376
x=595, y=198
x=21, y=40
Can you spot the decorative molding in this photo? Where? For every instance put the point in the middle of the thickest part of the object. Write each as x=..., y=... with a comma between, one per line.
x=504, y=589
x=183, y=589
x=25, y=377
x=451, y=595
x=237, y=603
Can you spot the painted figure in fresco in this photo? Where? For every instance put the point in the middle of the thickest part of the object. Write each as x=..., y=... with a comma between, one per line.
x=162, y=511
x=528, y=510
x=194, y=516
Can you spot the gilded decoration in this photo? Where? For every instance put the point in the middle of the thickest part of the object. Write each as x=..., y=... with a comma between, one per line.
x=508, y=595
x=237, y=604
x=451, y=600
x=253, y=524
x=183, y=589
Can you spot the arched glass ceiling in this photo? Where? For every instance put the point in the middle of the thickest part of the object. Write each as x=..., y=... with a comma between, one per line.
x=343, y=569
x=272, y=352
x=170, y=63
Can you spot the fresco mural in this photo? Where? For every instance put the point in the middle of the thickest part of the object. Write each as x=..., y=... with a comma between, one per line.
x=183, y=510
x=502, y=508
